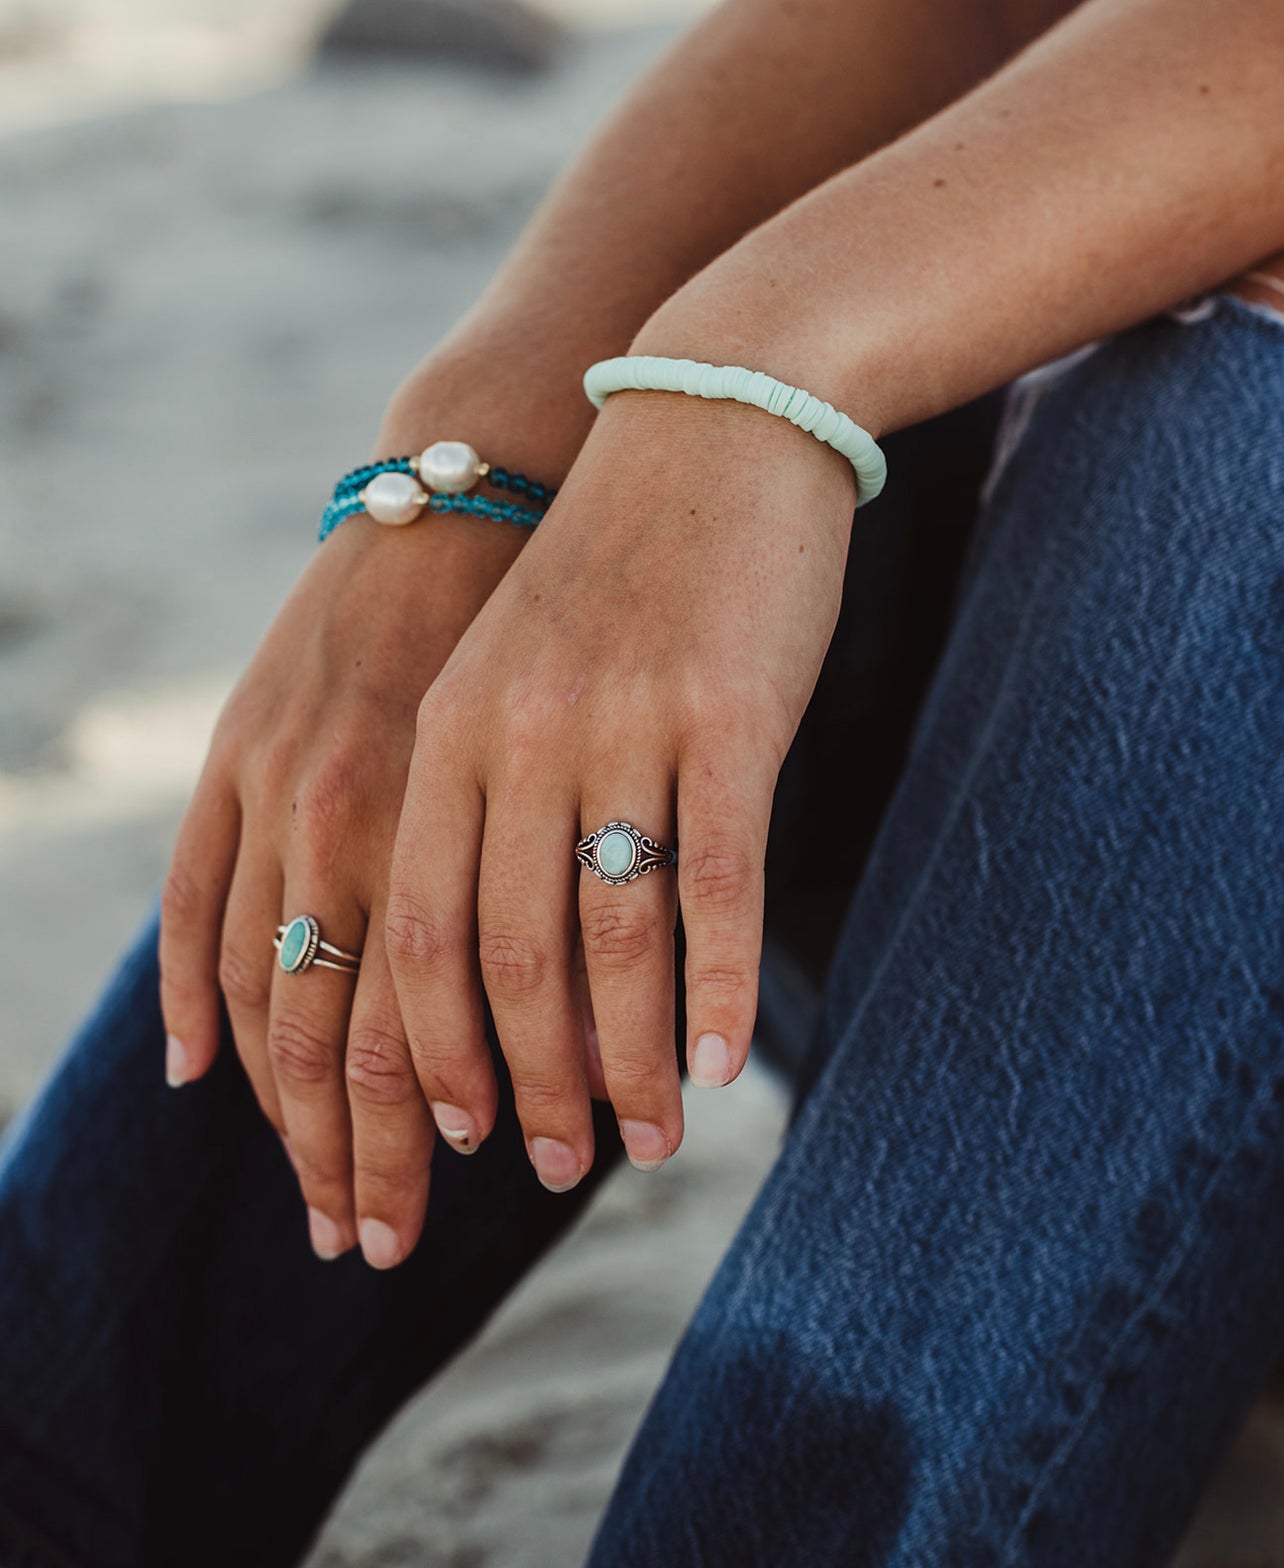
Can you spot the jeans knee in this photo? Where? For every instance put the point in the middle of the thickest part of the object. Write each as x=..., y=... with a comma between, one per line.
x=1139, y=535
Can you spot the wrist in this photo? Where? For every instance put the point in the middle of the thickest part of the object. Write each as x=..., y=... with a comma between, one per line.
x=733, y=313
x=502, y=403
x=450, y=398
x=718, y=468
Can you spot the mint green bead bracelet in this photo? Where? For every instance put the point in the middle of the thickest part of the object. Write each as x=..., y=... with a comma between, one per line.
x=648, y=373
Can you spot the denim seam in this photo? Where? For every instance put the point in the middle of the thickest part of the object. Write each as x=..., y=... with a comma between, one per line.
x=1163, y=1279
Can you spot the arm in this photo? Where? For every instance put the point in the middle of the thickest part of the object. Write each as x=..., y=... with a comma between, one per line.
x=297, y=807
x=1131, y=156
x=761, y=102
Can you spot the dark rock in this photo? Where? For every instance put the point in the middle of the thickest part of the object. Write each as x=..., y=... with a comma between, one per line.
x=501, y=35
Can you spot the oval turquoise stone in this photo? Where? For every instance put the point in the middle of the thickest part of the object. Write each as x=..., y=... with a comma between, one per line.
x=615, y=853
x=294, y=943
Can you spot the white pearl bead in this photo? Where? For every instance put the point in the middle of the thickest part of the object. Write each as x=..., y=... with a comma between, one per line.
x=393, y=498
x=449, y=467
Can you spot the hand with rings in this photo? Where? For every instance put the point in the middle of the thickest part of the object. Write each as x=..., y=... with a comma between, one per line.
x=278, y=885
x=630, y=688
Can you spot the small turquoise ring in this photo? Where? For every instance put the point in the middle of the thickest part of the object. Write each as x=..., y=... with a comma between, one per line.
x=618, y=853
x=299, y=941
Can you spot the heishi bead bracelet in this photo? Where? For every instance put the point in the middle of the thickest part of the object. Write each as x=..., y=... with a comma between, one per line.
x=650, y=373
x=396, y=490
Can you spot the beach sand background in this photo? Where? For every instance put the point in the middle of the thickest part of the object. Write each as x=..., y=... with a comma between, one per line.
x=217, y=260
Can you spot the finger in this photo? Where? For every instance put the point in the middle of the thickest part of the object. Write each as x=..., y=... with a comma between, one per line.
x=192, y=903
x=525, y=934
x=306, y=1037
x=724, y=807
x=246, y=961
x=430, y=933
x=628, y=943
x=392, y=1131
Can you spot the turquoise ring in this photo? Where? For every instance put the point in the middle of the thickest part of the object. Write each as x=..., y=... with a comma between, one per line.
x=618, y=853
x=298, y=943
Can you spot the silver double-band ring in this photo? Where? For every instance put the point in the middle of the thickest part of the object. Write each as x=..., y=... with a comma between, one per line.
x=298, y=947
x=617, y=853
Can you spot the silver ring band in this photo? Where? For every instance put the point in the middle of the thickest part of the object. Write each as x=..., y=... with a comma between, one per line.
x=617, y=852
x=298, y=942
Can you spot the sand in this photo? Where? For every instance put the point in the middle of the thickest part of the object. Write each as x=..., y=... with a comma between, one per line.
x=216, y=265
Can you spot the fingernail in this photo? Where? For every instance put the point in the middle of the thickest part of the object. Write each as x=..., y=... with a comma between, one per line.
x=327, y=1238
x=556, y=1164
x=710, y=1062
x=380, y=1244
x=645, y=1145
x=456, y=1126
x=175, y=1061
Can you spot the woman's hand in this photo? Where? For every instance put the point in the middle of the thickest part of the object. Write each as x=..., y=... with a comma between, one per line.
x=647, y=659
x=296, y=813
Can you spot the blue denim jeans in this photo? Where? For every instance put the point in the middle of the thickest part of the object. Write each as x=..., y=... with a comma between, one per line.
x=1018, y=1270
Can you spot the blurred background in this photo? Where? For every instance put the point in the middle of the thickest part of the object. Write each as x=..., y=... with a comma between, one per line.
x=227, y=229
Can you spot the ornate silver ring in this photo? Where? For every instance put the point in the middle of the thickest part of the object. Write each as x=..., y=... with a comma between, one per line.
x=299, y=941
x=618, y=853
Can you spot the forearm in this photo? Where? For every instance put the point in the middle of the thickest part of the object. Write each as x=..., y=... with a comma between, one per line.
x=1132, y=156
x=759, y=103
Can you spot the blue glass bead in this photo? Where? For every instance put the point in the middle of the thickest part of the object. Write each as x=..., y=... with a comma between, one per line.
x=345, y=501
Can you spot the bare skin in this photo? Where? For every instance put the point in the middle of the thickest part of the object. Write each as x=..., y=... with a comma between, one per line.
x=305, y=776
x=904, y=282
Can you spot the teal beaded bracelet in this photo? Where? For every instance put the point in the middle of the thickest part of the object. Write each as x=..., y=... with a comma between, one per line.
x=649, y=373
x=396, y=490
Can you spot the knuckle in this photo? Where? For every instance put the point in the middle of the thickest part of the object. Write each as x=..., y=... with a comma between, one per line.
x=511, y=965
x=182, y=902
x=272, y=767
x=704, y=723
x=717, y=874
x=438, y=718
x=713, y=727
x=634, y=1076
x=320, y=1171
x=542, y=1097
x=530, y=731
x=433, y=1059
x=182, y=990
x=619, y=934
x=227, y=743
x=433, y=711
x=382, y=1184
x=378, y=1066
x=325, y=804
x=721, y=982
x=245, y=982
x=413, y=937
x=298, y=1051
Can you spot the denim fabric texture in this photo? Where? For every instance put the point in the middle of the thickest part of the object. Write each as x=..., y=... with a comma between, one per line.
x=1017, y=1272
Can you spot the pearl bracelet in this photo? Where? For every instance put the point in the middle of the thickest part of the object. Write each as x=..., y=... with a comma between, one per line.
x=649, y=373
x=396, y=490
